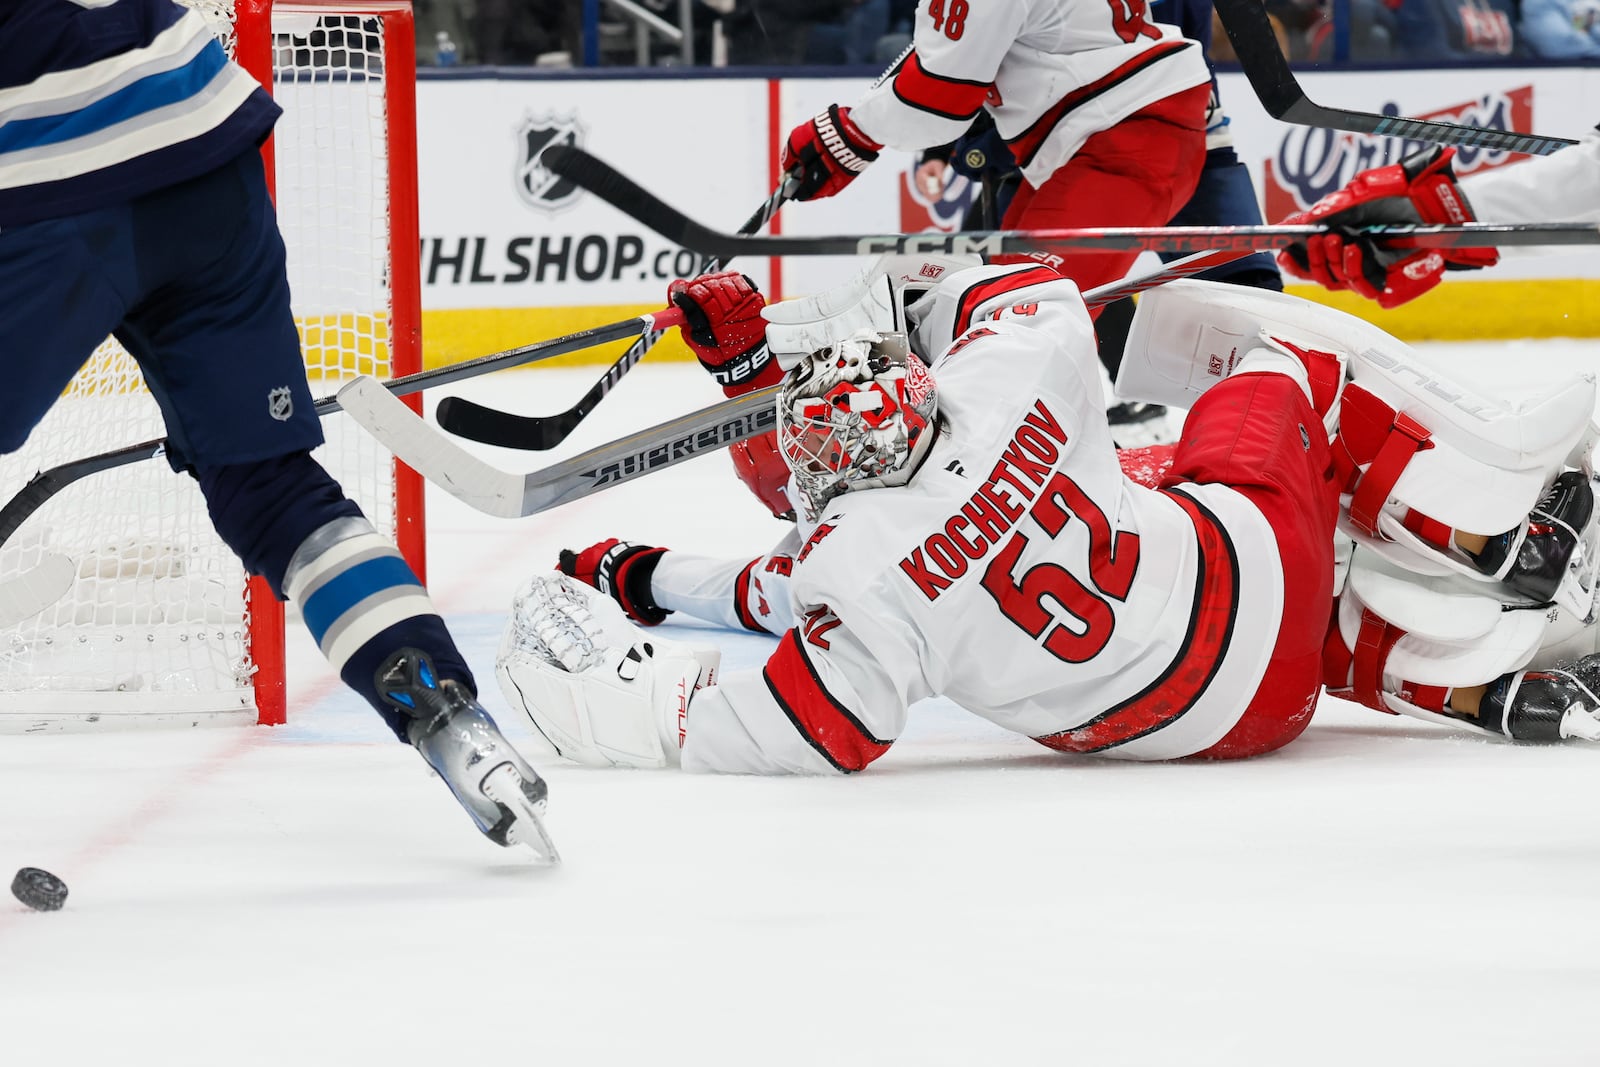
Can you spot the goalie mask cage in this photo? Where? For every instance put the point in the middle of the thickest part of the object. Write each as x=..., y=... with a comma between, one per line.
x=160, y=625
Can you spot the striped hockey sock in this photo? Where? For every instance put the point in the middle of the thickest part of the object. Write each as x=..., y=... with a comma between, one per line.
x=361, y=602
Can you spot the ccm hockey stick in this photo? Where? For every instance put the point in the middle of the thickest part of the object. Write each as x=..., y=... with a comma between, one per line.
x=492, y=426
x=1263, y=63
x=510, y=494
x=632, y=199
x=20, y=593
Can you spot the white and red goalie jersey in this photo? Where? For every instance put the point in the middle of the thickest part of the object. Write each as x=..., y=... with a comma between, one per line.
x=1052, y=73
x=1019, y=574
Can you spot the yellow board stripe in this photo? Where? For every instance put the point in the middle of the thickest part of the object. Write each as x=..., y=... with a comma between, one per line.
x=452, y=336
x=1481, y=310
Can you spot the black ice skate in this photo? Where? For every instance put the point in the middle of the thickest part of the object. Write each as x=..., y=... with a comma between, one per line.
x=503, y=794
x=1532, y=560
x=1549, y=705
x=1136, y=425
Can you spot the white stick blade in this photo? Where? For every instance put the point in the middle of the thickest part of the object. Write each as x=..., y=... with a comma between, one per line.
x=32, y=591
x=432, y=455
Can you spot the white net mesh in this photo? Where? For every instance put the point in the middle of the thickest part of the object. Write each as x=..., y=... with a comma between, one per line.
x=156, y=627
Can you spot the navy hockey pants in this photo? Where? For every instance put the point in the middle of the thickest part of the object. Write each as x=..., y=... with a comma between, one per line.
x=192, y=280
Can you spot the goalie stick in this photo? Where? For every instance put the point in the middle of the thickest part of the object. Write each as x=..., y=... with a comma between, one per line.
x=629, y=197
x=1256, y=47
x=491, y=426
x=31, y=592
x=511, y=495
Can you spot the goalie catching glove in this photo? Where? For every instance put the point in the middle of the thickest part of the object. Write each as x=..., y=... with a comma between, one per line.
x=1421, y=188
x=601, y=692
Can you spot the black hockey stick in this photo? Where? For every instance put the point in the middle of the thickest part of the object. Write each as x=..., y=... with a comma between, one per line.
x=491, y=426
x=47, y=484
x=628, y=196
x=1256, y=47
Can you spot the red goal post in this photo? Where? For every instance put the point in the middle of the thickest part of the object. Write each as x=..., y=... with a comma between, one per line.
x=256, y=51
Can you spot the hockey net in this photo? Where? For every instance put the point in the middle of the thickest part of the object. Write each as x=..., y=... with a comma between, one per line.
x=161, y=625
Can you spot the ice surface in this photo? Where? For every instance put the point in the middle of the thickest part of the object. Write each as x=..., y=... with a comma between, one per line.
x=1383, y=891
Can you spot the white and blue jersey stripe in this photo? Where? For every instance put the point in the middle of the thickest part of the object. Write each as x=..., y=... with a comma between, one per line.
x=102, y=101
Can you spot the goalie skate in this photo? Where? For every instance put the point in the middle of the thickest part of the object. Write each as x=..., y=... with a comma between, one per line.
x=460, y=741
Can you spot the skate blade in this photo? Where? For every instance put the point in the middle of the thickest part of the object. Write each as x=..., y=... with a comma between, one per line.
x=503, y=785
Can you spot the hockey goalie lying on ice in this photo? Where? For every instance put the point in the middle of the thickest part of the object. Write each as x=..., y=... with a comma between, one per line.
x=966, y=530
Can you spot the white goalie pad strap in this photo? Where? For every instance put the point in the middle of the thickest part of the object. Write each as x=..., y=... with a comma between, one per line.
x=600, y=690
x=1439, y=632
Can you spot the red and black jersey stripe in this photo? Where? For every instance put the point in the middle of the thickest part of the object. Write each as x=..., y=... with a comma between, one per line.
x=1184, y=681
x=1026, y=145
x=981, y=292
x=741, y=598
x=827, y=725
x=949, y=98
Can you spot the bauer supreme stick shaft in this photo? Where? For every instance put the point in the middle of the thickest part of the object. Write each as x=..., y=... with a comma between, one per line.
x=491, y=426
x=47, y=484
x=628, y=196
x=512, y=494
x=1256, y=47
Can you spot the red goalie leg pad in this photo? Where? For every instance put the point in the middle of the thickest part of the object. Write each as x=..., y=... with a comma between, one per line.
x=1256, y=434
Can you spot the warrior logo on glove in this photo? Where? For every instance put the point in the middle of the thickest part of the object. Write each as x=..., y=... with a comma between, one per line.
x=827, y=153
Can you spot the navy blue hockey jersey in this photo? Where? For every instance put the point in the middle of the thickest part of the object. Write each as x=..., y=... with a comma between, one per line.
x=102, y=101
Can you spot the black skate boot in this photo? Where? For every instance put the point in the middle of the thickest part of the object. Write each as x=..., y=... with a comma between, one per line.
x=1550, y=705
x=503, y=794
x=1135, y=425
x=1533, y=559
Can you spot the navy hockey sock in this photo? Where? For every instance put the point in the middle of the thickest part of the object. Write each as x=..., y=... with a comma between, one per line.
x=265, y=510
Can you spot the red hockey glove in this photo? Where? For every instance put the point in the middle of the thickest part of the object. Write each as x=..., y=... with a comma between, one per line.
x=621, y=571
x=1419, y=189
x=827, y=153
x=723, y=326
x=760, y=465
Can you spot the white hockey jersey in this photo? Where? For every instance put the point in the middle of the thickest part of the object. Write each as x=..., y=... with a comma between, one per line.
x=1019, y=574
x=1052, y=72
x=1561, y=187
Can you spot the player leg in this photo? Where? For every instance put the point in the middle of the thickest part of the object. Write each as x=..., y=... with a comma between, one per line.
x=63, y=281
x=1258, y=434
x=1138, y=173
x=217, y=343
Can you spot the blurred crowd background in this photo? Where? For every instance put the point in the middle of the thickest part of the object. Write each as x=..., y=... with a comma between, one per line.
x=634, y=33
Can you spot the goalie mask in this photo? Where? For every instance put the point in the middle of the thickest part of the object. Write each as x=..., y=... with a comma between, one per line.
x=856, y=414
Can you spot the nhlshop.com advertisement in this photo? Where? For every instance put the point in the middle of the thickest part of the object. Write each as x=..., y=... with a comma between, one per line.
x=512, y=253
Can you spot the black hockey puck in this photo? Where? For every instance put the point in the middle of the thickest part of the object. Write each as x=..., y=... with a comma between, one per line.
x=39, y=890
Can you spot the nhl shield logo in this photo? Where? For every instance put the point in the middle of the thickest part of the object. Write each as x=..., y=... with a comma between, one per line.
x=280, y=403
x=539, y=187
